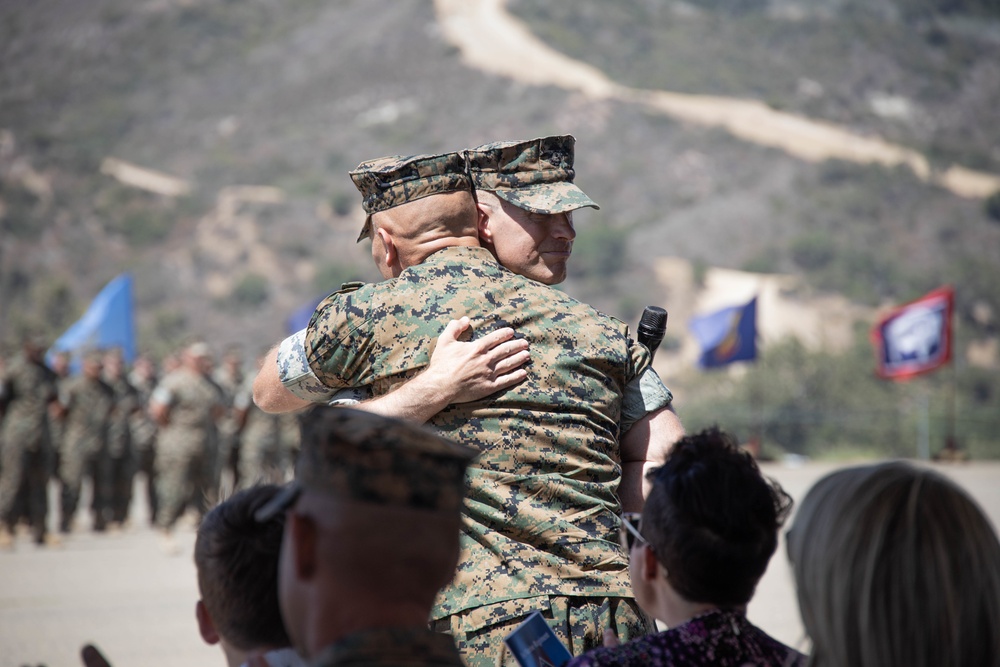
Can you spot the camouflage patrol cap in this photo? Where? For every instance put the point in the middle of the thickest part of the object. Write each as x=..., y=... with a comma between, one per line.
x=390, y=181
x=355, y=455
x=536, y=175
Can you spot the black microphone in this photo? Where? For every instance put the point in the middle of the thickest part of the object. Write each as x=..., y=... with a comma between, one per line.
x=652, y=326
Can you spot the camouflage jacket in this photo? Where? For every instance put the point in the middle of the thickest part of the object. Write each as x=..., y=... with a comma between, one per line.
x=541, y=515
x=143, y=428
x=391, y=647
x=88, y=404
x=127, y=404
x=194, y=402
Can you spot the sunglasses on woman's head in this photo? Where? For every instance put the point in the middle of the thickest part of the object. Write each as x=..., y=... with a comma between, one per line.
x=629, y=530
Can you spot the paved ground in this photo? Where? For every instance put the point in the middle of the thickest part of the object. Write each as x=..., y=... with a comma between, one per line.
x=122, y=593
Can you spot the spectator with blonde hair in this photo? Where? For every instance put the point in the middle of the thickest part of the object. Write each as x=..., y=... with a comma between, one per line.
x=896, y=565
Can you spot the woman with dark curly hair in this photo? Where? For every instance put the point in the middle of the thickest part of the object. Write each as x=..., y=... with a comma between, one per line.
x=704, y=538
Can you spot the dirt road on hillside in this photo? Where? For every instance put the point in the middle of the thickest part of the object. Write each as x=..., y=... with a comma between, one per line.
x=492, y=40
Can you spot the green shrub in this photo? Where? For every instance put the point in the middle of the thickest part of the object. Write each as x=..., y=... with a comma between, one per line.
x=598, y=252
x=812, y=250
x=145, y=227
x=171, y=325
x=252, y=290
x=342, y=203
x=331, y=276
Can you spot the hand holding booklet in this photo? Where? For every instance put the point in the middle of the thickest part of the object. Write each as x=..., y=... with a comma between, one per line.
x=534, y=644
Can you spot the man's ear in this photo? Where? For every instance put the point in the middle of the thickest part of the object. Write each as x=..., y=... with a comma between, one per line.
x=388, y=247
x=304, y=545
x=483, y=224
x=205, y=625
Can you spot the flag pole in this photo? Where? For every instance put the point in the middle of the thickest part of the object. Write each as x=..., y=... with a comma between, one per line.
x=951, y=441
x=924, y=427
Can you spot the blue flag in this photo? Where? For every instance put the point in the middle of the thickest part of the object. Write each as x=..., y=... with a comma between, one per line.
x=109, y=322
x=727, y=335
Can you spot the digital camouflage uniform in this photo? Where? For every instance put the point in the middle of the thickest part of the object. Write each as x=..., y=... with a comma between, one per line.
x=391, y=647
x=143, y=430
x=229, y=382
x=29, y=387
x=265, y=453
x=88, y=403
x=57, y=428
x=185, y=446
x=541, y=524
x=57, y=434
x=121, y=454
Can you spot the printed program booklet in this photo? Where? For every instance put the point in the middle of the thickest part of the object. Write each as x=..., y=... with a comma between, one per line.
x=534, y=644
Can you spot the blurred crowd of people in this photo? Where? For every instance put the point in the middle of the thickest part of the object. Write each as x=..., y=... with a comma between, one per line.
x=187, y=425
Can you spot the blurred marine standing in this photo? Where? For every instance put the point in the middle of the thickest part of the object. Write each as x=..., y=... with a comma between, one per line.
x=87, y=402
x=143, y=378
x=121, y=456
x=265, y=448
x=28, y=389
x=229, y=377
x=186, y=405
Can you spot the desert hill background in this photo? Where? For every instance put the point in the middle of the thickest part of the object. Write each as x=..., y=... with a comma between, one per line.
x=203, y=146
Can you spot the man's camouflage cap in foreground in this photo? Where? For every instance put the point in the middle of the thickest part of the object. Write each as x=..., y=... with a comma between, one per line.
x=536, y=175
x=355, y=455
x=390, y=181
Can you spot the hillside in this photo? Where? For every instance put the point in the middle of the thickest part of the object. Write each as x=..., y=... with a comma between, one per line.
x=258, y=108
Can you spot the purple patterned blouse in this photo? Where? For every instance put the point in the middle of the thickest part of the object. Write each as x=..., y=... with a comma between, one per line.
x=721, y=638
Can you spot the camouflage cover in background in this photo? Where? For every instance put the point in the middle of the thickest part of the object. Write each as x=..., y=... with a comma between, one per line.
x=536, y=175
x=390, y=181
x=369, y=458
x=542, y=514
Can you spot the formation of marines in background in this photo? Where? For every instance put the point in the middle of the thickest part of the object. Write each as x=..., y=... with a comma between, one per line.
x=189, y=427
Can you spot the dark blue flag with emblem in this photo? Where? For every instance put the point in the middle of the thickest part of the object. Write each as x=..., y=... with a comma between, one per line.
x=727, y=335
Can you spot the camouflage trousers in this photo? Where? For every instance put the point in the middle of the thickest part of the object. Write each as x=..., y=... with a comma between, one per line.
x=146, y=464
x=73, y=467
x=24, y=476
x=579, y=622
x=226, y=447
x=121, y=472
x=183, y=476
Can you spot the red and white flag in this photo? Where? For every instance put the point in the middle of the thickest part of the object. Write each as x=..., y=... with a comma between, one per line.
x=915, y=338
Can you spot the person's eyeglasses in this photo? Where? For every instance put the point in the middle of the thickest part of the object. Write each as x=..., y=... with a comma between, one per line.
x=629, y=530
